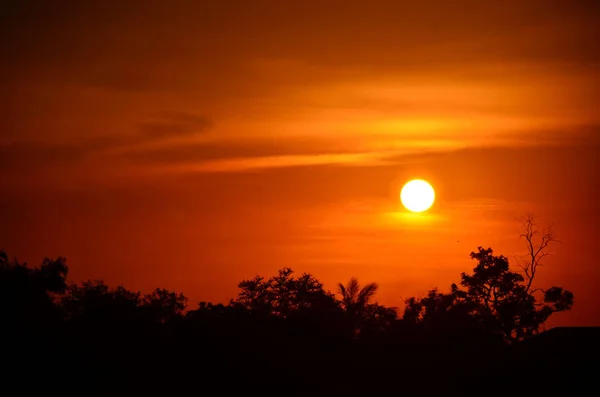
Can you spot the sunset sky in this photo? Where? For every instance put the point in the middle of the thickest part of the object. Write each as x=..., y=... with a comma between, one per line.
x=192, y=144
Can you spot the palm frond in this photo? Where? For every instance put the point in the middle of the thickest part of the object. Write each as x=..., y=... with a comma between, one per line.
x=367, y=293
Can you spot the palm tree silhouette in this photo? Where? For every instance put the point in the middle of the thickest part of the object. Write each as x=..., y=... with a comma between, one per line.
x=355, y=300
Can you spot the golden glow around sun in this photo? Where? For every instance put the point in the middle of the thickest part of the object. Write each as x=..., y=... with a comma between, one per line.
x=417, y=195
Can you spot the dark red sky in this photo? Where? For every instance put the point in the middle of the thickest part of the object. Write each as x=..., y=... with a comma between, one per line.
x=191, y=144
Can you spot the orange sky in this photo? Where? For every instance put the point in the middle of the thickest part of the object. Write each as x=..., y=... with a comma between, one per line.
x=191, y=144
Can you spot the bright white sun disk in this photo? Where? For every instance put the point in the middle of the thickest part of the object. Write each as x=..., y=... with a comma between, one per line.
x=417, y=195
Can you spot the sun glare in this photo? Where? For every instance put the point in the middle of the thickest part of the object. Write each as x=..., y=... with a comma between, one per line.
x=417, y=195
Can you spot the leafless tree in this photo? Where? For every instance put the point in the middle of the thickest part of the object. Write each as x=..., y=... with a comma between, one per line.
x=537, y=242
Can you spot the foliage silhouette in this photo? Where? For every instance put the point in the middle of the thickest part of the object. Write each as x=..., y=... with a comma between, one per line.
x=284, y=295
x=493, y=296
x=354, y=298
x=288, y=334
x=163, y=306
x=27, y=296
x=364, y=316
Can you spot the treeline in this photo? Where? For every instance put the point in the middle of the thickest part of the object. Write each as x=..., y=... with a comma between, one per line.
x=281, y=335
x=276, y=330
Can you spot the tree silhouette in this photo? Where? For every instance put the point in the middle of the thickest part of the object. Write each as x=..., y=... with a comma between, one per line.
x=437, y=309
x=501, y=300
x=377, y=319
x=93, y=301
x=283, y=325
x=164, y=306
x=284, y=295
x=255, y=295
x=27, y=295
x=359, y=311
x=355, y=298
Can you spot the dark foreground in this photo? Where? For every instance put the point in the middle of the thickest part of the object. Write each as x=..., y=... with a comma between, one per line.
x=287, y=336
x=221, y=360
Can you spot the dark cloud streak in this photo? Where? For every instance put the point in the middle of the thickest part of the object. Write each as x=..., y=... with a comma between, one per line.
x=225, y=150
x=176, y=125
x=18, y=156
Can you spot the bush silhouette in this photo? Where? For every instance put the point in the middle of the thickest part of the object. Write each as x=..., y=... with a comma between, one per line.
x=284, y=333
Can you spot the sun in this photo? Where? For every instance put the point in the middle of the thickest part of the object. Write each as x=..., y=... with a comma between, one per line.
x=417, y=195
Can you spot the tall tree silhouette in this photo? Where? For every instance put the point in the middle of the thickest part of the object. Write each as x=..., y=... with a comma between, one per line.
x=354, y=297
x=537, y=243
x=356, y=300
x=500, y=299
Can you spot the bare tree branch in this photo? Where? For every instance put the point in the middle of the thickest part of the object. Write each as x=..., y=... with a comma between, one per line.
x=536, y=243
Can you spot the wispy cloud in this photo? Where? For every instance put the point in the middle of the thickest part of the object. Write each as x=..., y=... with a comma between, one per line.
x=173, y=125
x=245, y=164
x=16, y=156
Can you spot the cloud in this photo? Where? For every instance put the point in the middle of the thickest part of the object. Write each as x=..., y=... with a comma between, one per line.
x=179, y=124
x=152, y=151
x=270, y=162
x=228, y=149
x=462, y=72
x=241, y=155
x=126, y=47
x=246, y=154
x=17, y=156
